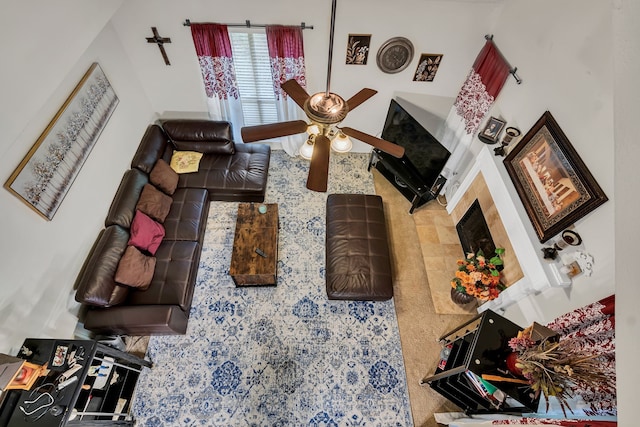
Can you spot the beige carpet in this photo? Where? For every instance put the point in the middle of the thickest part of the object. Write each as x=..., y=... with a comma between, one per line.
x=419, y=323
x=441, y=249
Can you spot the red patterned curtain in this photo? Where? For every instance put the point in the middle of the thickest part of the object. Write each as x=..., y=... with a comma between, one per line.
x=286, y=54
x=483, y=84
x=593, y=327
x=213, y=48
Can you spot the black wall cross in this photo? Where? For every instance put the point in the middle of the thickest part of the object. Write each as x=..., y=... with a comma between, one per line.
x=160, y=41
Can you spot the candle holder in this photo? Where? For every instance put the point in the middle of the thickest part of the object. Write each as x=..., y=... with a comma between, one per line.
x=567, y=238
x=509, y=134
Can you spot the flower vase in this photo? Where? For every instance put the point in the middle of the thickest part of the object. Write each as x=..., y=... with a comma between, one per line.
x=512, y=359
x=461, y=298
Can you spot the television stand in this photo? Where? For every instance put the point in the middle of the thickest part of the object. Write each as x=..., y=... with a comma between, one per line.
x=409, y=183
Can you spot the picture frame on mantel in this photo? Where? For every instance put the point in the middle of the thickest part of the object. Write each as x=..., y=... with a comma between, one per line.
x=554, y=184
x=491, y=131
x=46, y=173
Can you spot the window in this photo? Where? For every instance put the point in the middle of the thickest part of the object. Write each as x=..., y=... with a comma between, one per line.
x=253, y=74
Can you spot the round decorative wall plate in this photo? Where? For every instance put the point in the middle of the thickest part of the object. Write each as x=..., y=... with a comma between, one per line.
x=395, y=55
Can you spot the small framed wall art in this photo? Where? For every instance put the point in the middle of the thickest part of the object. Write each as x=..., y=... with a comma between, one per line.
x=358, y=49
x=491, y=131
x=554, y=184
x=427, y=67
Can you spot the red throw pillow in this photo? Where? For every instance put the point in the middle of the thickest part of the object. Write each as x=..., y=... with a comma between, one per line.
x=154, y=203
x=135, y=269
x=146, y=234
x=163, y=177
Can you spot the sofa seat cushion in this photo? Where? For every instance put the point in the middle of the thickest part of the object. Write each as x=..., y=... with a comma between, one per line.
x=357, y=251
x=96, y=283
x=187, y=218
x=175, y=273
x=241, y=176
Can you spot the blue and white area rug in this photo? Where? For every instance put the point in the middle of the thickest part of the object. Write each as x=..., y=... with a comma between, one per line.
x=284, y=355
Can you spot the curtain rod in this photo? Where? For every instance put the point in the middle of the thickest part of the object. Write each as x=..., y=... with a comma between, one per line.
x=512, y=70
x=248, y=24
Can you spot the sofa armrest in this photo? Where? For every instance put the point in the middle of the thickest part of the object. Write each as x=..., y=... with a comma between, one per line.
x=204, y=136
x=137, y=320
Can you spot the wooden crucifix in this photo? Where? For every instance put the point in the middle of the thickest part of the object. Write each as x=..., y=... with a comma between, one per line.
x=160, y=41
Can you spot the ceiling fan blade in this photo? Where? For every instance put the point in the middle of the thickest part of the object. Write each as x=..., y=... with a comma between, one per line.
x=386, y=146
x=273, y=130
x=319, y=168
x=360, y=97
x=295, y=91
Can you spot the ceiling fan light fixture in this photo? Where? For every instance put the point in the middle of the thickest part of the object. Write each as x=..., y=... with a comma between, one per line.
x=341, y=143
x=306, y=151
x=313, y=130
x=326, y=108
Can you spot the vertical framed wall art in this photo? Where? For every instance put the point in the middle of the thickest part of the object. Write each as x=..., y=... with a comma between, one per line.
x=358, y=49
x=427, y=67
x=44, y=176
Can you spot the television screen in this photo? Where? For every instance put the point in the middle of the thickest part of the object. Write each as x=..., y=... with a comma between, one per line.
x=422, y=150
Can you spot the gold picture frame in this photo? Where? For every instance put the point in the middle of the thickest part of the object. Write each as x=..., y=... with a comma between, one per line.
x=46, y=173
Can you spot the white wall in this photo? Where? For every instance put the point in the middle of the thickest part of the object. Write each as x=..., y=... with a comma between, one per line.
x=626, y=36
x=564, y=51
x=561, y=74
x=426, y=23
x=39, y=259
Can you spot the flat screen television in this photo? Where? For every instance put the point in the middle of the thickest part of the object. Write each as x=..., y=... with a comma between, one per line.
x=423, y=153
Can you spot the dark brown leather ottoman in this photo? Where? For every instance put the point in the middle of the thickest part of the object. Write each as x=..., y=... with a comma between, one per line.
x=358, y=262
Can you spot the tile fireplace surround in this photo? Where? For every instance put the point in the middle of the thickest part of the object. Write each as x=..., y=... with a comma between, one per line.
x=526, y=272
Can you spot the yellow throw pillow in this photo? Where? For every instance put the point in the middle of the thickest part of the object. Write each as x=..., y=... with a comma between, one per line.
x=185, y=161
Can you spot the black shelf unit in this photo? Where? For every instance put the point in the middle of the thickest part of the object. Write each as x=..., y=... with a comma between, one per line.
x=480, y=346
x=402, y=174
x=101, y=394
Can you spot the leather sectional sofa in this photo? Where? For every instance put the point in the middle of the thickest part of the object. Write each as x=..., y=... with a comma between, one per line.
x=227, y=171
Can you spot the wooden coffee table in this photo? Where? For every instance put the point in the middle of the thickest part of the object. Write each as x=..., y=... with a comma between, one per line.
x=255, y=245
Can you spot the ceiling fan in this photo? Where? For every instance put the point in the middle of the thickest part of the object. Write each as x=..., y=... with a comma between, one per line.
x=324, y=110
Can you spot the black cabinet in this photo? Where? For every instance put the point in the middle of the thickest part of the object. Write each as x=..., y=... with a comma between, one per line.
x=88, y=384
x=476, y=348
x=403, y=175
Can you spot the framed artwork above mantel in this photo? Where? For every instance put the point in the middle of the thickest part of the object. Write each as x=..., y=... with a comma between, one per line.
x=554, y=184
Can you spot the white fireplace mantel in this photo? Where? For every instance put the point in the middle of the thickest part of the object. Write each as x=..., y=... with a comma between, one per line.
x=539, y=274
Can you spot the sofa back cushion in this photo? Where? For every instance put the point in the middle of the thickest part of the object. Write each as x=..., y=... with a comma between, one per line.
x=146, y=234
x=163, y=177
x=204, y=136
x=123, y=206
x=96, y=283
x=153, y=146
x=135, y=269
x=154, y=203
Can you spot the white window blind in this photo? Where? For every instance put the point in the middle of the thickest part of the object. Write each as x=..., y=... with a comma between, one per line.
x=253, y=74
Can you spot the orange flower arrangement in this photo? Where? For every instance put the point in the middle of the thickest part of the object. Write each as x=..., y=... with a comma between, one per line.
x=478, y=276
